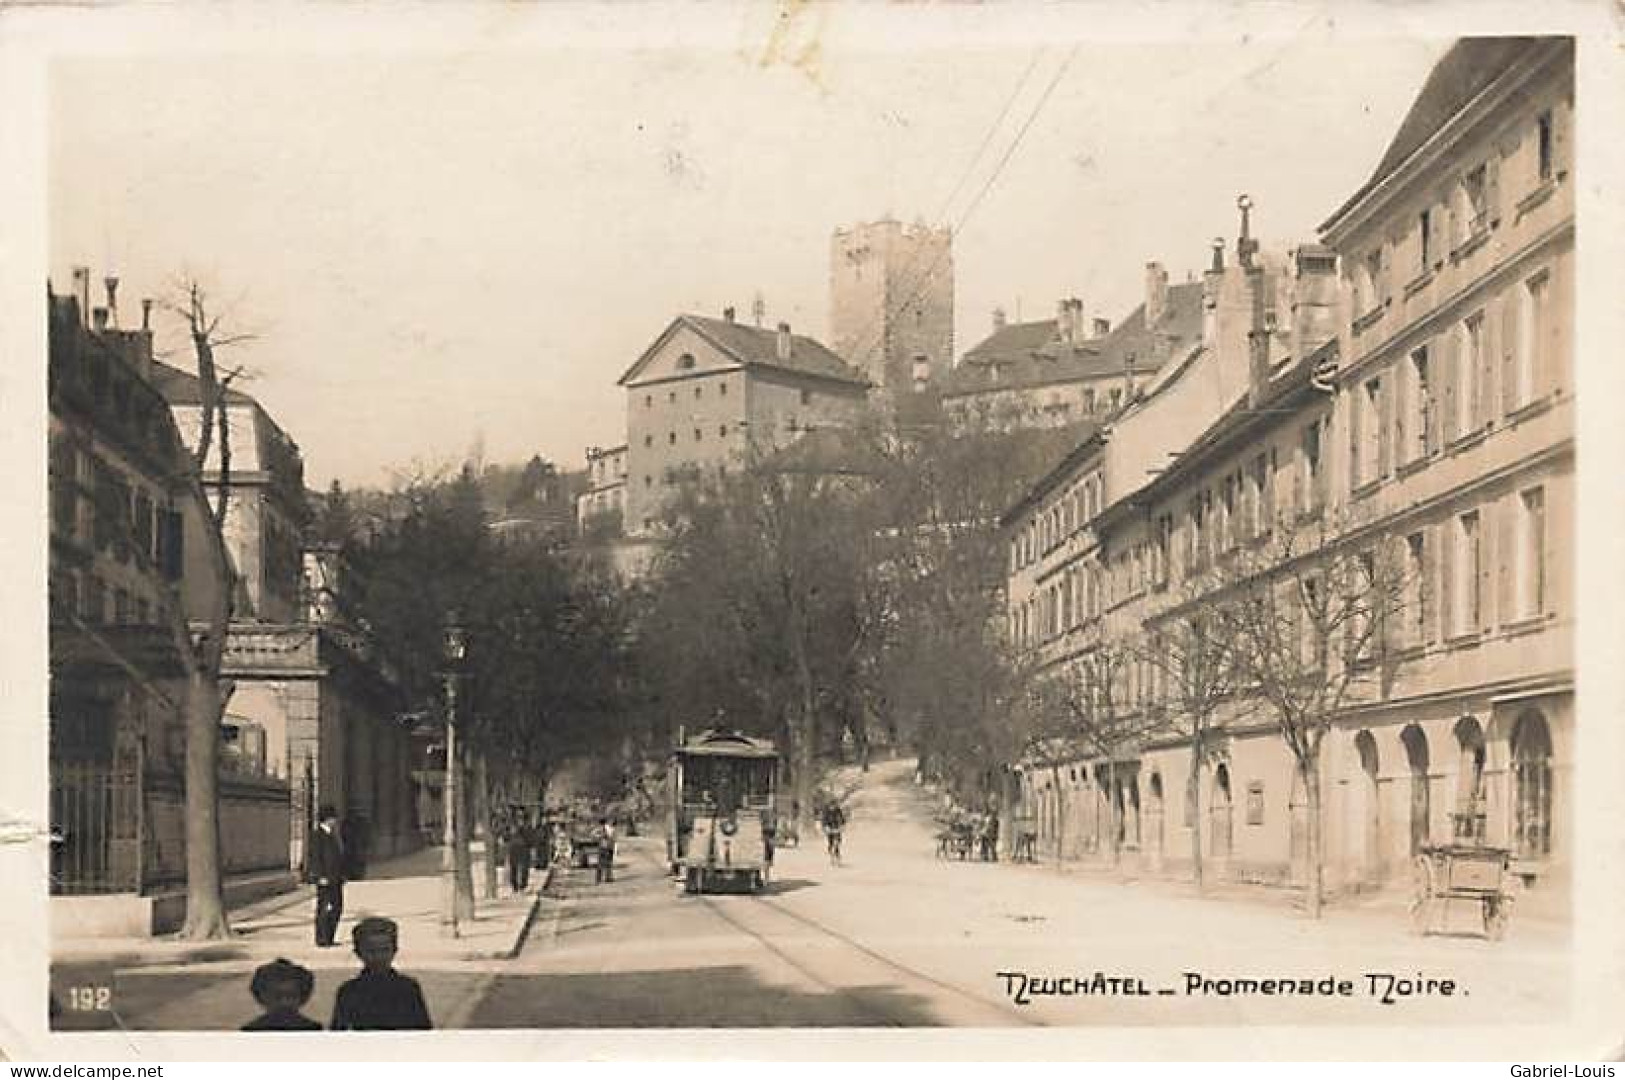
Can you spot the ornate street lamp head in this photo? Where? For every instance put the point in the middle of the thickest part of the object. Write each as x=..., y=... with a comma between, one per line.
x=454, y=640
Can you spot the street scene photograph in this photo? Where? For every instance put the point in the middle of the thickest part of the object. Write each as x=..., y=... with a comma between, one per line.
x=781, y=530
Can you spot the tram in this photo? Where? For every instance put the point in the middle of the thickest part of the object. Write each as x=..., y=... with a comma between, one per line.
x=722, y=815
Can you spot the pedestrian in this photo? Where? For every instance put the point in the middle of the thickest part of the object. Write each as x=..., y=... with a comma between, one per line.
x=325, y=865
x=834, y=819
x=379, y=998
x=517, y=841
x=990, y=838
x=604, y=869
x=282, y=988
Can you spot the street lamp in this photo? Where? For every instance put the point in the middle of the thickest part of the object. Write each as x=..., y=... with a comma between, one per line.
x=454, y=648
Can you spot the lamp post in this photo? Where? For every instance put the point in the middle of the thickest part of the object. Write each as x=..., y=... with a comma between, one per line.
x=454, y=647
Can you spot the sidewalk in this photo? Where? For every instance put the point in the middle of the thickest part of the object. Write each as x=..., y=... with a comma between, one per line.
x=406, y=889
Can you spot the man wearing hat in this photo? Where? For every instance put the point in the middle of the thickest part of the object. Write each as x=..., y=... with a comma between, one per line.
x=380, y=998
x=325, y=864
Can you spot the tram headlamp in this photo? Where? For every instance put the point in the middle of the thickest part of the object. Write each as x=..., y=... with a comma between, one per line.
x=730, y=825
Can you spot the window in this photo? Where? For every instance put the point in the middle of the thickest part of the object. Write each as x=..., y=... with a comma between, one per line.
x=1531, y=554
x=699, y=391
x=806, y=397
x=1424, y=248
x=1470, y=817
x=1163, y=541
x=1543, y=147
x=1468, y=358
x=1415, y=615
x=648, y=481
x=648, y=440
x=1476, y=194
x=722, y=431
x=1420, y=421
x=1468, y=570
x=722, y=389
x=1531, y=314
x=1373, y=279
x=672, y=397
x=671, y=438
x=697, y=435
x=648, y=401
x=1532, y=781
x=1365, y=462
x=1312, y=476
x=686, y=363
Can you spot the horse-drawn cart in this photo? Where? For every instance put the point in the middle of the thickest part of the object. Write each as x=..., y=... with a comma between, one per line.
x=1462, y=871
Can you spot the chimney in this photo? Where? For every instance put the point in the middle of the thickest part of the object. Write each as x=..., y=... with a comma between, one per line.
x=146, y=315
x=1156, y=293
x=727, y=314
x=81, y=291
x=1314, y=298
x=99, y=318
x=1246, y=246
x=1102, y=327
x=998, y=319
x=1259, y=335
x=784, y=342
x=110, y=282
x=1069, y=323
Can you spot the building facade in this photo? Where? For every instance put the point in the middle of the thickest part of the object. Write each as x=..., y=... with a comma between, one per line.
x=709, y=394
x=312, y=706
x=1434, y=417
x=121, y=515
x=603, y=504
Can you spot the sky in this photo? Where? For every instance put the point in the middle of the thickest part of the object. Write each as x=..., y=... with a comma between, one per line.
x=452, y=253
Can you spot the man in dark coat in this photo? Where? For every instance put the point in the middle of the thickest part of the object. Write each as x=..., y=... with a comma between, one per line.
x=380, y=998
x=517, y=838
x=325, y=862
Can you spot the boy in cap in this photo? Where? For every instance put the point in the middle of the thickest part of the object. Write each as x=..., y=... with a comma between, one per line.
x=380, y=998
x=282, y=988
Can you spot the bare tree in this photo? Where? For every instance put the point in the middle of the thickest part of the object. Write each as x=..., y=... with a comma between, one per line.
x=201, y=643
x=1307, y=617
x=1194, y=664
x=1078, y=711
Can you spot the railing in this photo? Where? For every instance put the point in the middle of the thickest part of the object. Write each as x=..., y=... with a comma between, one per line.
x=95, y=829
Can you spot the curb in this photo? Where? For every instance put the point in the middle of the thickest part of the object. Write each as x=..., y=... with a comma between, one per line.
x=530, y=918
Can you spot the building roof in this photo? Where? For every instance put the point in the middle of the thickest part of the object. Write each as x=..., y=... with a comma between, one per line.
x=1464, y=72
x=1031, y=354
x=183, y=388
x=756, y=346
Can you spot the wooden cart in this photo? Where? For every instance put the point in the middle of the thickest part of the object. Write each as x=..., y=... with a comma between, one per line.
x=1470, y=872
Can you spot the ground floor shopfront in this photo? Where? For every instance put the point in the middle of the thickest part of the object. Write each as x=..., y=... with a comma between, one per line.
x=1485, y=768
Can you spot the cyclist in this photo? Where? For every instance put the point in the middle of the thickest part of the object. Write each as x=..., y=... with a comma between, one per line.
x=834, y=822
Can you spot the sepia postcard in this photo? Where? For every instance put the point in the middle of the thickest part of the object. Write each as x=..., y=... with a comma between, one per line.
x=803, y=530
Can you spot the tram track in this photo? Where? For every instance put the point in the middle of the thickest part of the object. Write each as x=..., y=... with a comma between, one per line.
x=981, y=1012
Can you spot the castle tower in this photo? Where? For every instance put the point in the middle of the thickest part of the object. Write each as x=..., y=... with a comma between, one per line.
x=891, y=303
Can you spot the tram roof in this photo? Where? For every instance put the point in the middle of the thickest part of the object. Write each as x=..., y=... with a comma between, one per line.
x=728, y=744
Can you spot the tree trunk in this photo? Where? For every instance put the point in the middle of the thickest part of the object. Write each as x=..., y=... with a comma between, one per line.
x=205, y=892
x=1193, y=792
x=1310, y=771
x=1112, y=812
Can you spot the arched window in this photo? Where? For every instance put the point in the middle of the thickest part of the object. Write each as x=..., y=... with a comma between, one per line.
x=1470, y=816
x=1416, y=756
x=1532, y=780
x=685, y=362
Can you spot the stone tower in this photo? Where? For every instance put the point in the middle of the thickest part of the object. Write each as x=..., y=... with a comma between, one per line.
x=891, y=303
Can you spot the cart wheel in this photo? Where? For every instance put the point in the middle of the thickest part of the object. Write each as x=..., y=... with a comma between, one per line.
x=1422, y=896
x=1495, y=916
x=691, y=882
